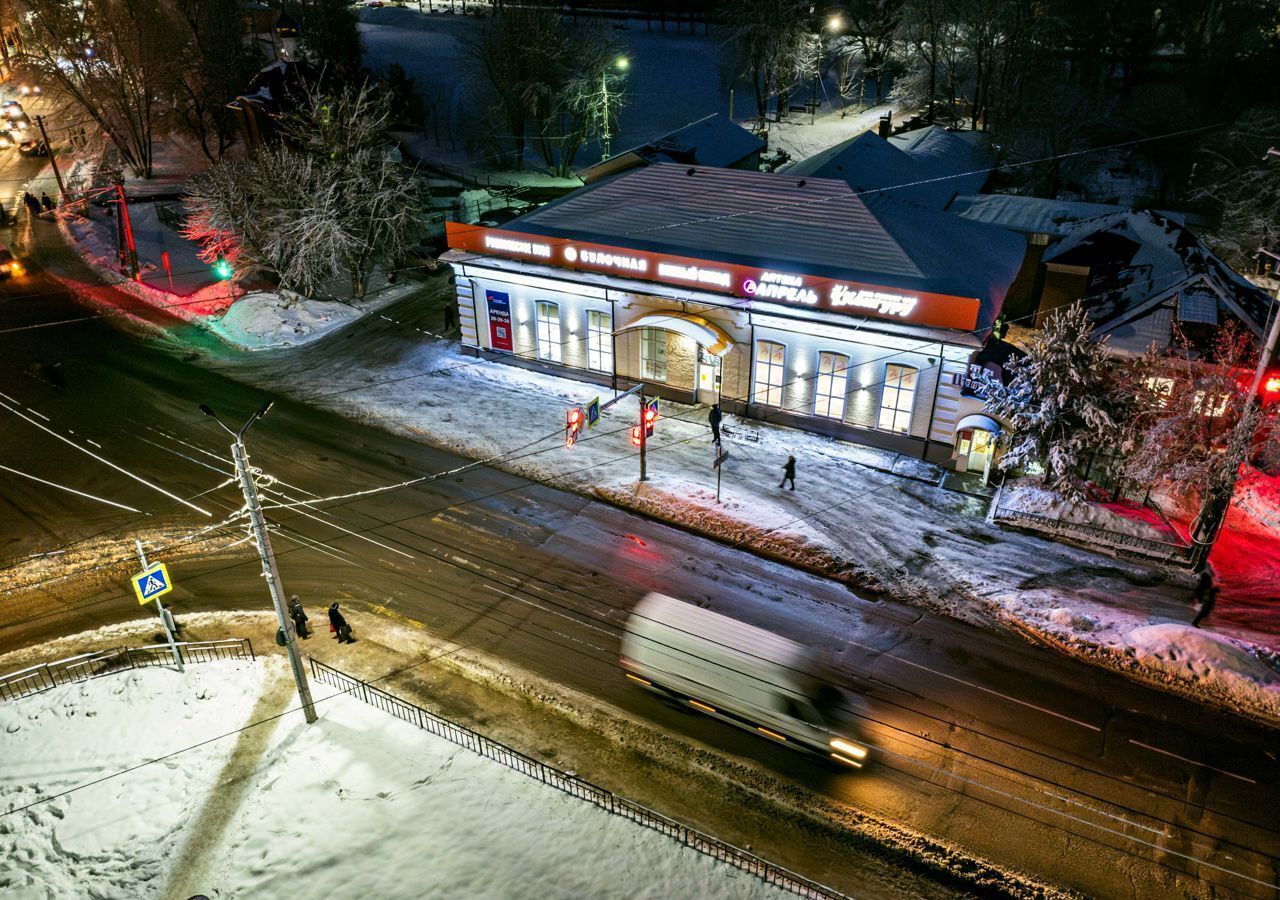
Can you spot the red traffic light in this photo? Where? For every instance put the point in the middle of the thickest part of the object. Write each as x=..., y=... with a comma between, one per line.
x=1271, y=386
x=635, y=435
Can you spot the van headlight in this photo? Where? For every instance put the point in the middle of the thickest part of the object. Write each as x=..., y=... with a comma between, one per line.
x=847, y=749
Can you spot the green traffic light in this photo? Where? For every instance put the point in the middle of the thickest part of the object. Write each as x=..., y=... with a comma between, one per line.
x=222, y=268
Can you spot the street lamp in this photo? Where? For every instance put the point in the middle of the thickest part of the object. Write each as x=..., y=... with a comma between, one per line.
x=265, y=553
x=621, y=64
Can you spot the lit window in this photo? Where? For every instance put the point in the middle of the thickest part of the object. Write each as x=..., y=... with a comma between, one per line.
x=1211, y=406
x=898, y=398
x=771, y=361
x=599, y=341
x=549, y=345
x=653, y=354
x=833, y=376
x=1162, y=388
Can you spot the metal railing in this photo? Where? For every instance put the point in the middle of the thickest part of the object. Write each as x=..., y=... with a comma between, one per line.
x=573, y=785
x=1175, y=551
x=45, y=676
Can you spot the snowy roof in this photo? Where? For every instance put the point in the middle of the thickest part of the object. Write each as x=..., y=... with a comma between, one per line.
x=1140, y=259
x=714, y=140
x=928, y=166
x=819, y=226
x=1035, y=215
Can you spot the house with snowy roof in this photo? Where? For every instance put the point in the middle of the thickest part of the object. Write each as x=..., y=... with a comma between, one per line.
x=1141, y=273
x=714, y=140
x=928, y=166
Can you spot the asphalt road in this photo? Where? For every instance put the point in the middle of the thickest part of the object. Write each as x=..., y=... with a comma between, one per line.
x=1034, y=761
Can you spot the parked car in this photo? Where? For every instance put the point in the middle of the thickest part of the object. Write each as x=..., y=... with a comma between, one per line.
x=30, y=90
x=6, y=141
x=11, y=109
x=33, y=148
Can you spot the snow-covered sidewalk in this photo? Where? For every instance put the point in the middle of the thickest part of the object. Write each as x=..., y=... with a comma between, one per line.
x=152, y=783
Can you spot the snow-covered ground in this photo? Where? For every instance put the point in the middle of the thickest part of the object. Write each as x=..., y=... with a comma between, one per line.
x=261, y=320
x=152, y=783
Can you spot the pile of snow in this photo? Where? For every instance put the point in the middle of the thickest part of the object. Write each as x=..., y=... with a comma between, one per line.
x=1200, y=655
x=266, y=319
x=358, y=805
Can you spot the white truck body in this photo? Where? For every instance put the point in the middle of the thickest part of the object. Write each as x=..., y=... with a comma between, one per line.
x=741, y=674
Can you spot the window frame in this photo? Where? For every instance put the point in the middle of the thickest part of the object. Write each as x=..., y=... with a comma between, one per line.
x=600, y=356
x=653, y=366
x=824, y=400
x=891, y=394
x=763, y=392
x=549, y=350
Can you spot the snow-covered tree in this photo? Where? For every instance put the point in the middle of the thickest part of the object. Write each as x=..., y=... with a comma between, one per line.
x=1060, y=405
x=331, y=200
x=770, y=37
x=1240, y=179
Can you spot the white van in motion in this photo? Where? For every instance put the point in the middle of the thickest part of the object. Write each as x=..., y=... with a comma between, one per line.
x=741, y=674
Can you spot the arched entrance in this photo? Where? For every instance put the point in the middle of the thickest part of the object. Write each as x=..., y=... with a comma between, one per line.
x=976, y=444
x=713, y=344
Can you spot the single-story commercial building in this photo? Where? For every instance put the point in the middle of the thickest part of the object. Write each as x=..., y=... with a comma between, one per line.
x=780, y=297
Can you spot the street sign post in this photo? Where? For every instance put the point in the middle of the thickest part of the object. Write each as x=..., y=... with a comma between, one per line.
x=151, y=584
x=593, y=412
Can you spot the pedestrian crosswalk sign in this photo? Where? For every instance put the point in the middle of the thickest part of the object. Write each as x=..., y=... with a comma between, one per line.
x=152, y=583
x=593, y=413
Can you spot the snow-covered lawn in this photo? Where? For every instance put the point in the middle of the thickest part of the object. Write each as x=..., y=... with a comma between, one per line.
x=261, y=320
x=156, y=792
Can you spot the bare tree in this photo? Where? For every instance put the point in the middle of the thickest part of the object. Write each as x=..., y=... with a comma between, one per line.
x=873, y=24
x=217, y=67
x=1239, y=179
x=117, y=60
x=770, y=38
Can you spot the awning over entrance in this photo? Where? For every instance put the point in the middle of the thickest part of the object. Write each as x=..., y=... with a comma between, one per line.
x=696, y=328
x=977, y=420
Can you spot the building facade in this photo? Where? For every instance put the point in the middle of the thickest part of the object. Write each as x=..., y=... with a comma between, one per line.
x=792, y=301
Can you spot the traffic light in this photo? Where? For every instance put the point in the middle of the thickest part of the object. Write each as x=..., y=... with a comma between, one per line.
x=573, y=422
x=635, y=435
x=222, y=268
x=650, y=416
x=1271, y=388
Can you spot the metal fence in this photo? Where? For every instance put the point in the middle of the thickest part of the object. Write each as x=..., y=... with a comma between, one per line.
x=36, y=679
x=1177, y=551
x=571, y=784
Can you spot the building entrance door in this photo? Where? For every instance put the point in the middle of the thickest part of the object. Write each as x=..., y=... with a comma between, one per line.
x=974, y=451
x=708, y=377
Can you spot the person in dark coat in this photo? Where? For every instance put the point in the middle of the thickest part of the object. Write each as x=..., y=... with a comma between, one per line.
x=299, y=616
x=713, y=419
x=341, y=630
x=33, y=205
x=789, y=473
x=450, y=317
x=1206, y=595
x=46, y=201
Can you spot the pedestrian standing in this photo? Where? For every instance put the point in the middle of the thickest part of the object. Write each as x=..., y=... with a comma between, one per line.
x=46, y=201
x=1206, y=594
x=338, y=625
x=299, y=617
x=713, y=419
x=33, y=205
x=450, y=317
x=789, y=473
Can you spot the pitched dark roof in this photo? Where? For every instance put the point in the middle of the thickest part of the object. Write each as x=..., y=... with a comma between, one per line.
x=714, y=140
x=777, y=220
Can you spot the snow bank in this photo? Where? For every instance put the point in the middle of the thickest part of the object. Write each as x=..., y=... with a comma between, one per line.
x=358, y=805
x=1122, y=518
x=1199, y=655
x=261, y=320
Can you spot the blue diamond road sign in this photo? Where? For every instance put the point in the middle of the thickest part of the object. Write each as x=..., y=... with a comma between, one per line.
x=152, y=583
x=593, y=413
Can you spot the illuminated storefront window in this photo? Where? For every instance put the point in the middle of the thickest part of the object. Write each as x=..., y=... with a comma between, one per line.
x=771, y=361
x=829, y=388
x=898, y=398
x=550, y=347
x=653, y=354
x=599, y=341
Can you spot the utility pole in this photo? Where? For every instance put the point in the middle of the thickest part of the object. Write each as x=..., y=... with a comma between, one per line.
x=605, y=136
x=1217, y=501
x=53, y=159
x=263, y=540
x=164, y=619
x=126, y=227
x=644, y=405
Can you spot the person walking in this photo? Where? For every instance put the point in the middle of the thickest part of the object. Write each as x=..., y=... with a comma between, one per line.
x=32, y=204
x=299, y=616
x=1206, y=594
x=338, y=625
x=46, y=201
x=789, y=473
x=713, y=419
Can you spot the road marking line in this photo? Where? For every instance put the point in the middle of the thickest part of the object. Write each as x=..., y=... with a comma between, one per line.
x=1042, y=709
x=554, y=612
x=1192, y=761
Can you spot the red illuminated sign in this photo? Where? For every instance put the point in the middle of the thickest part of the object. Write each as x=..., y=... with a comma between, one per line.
x=749, y=282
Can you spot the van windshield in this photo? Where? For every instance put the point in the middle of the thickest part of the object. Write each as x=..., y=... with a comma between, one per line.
x=828, y=700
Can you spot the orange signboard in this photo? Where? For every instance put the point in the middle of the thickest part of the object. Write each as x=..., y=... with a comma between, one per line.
x=748, y=282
